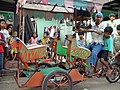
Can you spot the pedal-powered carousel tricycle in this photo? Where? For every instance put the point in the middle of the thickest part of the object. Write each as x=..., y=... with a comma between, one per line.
x=50, y=78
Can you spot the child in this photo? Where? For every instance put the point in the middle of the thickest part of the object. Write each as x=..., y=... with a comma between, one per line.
x=34, y=39
x=116, y=43
x=104, y=54
x=14, y=50
x=2, y=41
x=45, y=41
x=9, y=28
x=81, y=41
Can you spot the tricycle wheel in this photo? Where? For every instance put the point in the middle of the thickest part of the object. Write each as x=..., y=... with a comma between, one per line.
x=57, y=80
x=115, y=75
x=44, y=65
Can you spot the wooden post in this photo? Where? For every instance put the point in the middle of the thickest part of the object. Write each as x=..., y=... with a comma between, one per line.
x=20, y=22
x=23, y=24
x=75, y=17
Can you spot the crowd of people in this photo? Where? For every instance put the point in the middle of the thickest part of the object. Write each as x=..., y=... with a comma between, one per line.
x=103, y=45
x=7, y=36
x=105, y=40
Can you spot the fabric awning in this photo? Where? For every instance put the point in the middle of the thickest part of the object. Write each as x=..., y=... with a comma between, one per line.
x=91, y=5
x=48, y=8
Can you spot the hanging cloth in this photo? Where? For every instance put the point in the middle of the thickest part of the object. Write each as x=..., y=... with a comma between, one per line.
x=45, y=2
x=98, y=7
x=68, y=3
x=48, y=15
x=90, y=6
x=80, y=4
x=58, y=2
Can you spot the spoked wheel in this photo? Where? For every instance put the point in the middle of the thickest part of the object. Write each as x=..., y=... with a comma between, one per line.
x=44, y=65
x=57, y=80
x=115, y=75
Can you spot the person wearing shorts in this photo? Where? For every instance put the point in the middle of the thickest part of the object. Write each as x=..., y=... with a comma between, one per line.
x=107, y=49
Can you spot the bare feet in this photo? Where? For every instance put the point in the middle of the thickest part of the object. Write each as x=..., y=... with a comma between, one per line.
x=109, y=72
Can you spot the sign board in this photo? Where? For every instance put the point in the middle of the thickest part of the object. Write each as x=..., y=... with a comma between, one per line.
x=8, y=16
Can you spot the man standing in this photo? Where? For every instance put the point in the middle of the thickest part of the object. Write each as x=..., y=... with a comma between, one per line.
x=112, y=24
x=97, y=40
x=6, y=35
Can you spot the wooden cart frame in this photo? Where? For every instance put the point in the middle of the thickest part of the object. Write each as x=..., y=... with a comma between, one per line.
x=41, y=76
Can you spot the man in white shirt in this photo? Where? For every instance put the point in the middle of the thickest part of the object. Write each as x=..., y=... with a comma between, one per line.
x=97, y=40
x=3, y=30
x=112, y=24
x=6, y=35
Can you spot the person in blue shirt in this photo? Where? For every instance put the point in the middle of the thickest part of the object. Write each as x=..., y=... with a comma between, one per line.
x=81, y=41
x=107, y=49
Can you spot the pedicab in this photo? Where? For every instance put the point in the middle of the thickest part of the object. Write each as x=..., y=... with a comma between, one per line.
x=54, y=78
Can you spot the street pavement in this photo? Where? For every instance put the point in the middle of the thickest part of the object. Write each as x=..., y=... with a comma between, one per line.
x=8, y=83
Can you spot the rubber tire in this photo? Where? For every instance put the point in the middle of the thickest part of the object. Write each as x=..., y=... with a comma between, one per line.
x=51, y=74
x=113, y=81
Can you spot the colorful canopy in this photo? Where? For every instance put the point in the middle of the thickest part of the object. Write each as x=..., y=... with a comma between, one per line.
x=95, y=6
x=91, y=5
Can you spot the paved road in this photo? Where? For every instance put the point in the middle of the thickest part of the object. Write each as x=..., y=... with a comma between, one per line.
x=8, y=83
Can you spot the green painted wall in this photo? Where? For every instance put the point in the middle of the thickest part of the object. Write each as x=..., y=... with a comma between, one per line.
x=41, y=23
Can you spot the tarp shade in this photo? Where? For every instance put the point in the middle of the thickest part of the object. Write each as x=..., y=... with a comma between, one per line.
x=98, y=7
x=80, y=3
x=68, y=3
x=58, y=2
x=90, y=6
x=45, y=1
x=49, y=8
